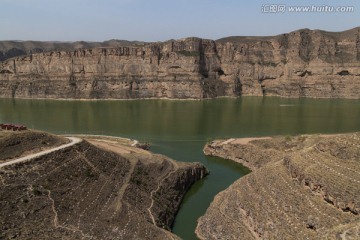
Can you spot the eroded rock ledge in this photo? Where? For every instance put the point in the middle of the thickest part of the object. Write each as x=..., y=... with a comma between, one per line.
x=305, y=187
x=303, y=63
x=93, y=191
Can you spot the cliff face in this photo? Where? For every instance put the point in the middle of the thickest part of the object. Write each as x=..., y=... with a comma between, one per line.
x=303, y=63
x=299, y=64
x=10, y=49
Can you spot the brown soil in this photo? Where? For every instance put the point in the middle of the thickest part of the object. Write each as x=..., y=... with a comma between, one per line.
x=114, y=146
x=18, y=144
x=86, y=192
x=308, y=187
x=247, y=140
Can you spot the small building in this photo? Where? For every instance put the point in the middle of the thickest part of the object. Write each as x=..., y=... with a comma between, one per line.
x=19, y=127
x=7, y=127
x=12, y=127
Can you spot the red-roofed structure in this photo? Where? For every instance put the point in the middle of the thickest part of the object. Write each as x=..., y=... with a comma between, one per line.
x=12, y=127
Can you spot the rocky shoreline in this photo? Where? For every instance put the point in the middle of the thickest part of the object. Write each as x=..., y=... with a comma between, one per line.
x=304, y=186
x=303, y=63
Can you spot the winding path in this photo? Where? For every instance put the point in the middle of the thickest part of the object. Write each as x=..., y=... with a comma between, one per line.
x=157, y=189
x=73, y=141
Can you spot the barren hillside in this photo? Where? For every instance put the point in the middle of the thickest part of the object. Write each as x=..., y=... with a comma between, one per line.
x=307, y=188
x=87, y=192
x=16, y=144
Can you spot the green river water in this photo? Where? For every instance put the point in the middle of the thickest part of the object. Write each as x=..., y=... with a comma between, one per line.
x=180, y=129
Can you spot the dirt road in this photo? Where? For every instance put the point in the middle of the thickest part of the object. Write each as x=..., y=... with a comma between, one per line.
x=73, y=141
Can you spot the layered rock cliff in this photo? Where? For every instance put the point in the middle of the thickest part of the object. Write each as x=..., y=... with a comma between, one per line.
x=10, y=49
x=304, y=63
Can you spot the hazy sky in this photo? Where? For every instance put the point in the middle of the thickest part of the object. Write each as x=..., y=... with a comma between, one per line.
x=158, y=20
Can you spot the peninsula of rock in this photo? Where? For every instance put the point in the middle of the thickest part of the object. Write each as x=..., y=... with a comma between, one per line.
x=91, y=188
x=301, y=187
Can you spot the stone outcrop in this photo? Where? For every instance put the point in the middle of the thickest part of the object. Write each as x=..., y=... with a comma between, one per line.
x=304, y=63
x=308, y=188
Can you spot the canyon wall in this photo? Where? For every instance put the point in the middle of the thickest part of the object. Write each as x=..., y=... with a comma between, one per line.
x=304, y=63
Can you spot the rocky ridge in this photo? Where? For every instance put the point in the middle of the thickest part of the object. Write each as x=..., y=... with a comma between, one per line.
x=303, y=63
x=90, y=192
x=307, y=188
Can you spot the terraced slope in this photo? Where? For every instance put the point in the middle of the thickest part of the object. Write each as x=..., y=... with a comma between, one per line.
x=87, y=192
x=17, y=144
x=312, y=192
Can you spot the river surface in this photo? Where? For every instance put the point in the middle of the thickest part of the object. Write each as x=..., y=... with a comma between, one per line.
x=180, y=129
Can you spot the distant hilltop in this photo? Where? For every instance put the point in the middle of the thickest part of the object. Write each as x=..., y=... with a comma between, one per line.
x=303, y=63
x=15, y=48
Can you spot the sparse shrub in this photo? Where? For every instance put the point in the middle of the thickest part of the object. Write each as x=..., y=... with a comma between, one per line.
x=144, y=145
x=288, y=138
x=189, y=53
x=302, y=138
x=268, y=64
x=36, y=192
x=209, y=140
x=138, y=172
x=89, y=173
x=137, y=182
